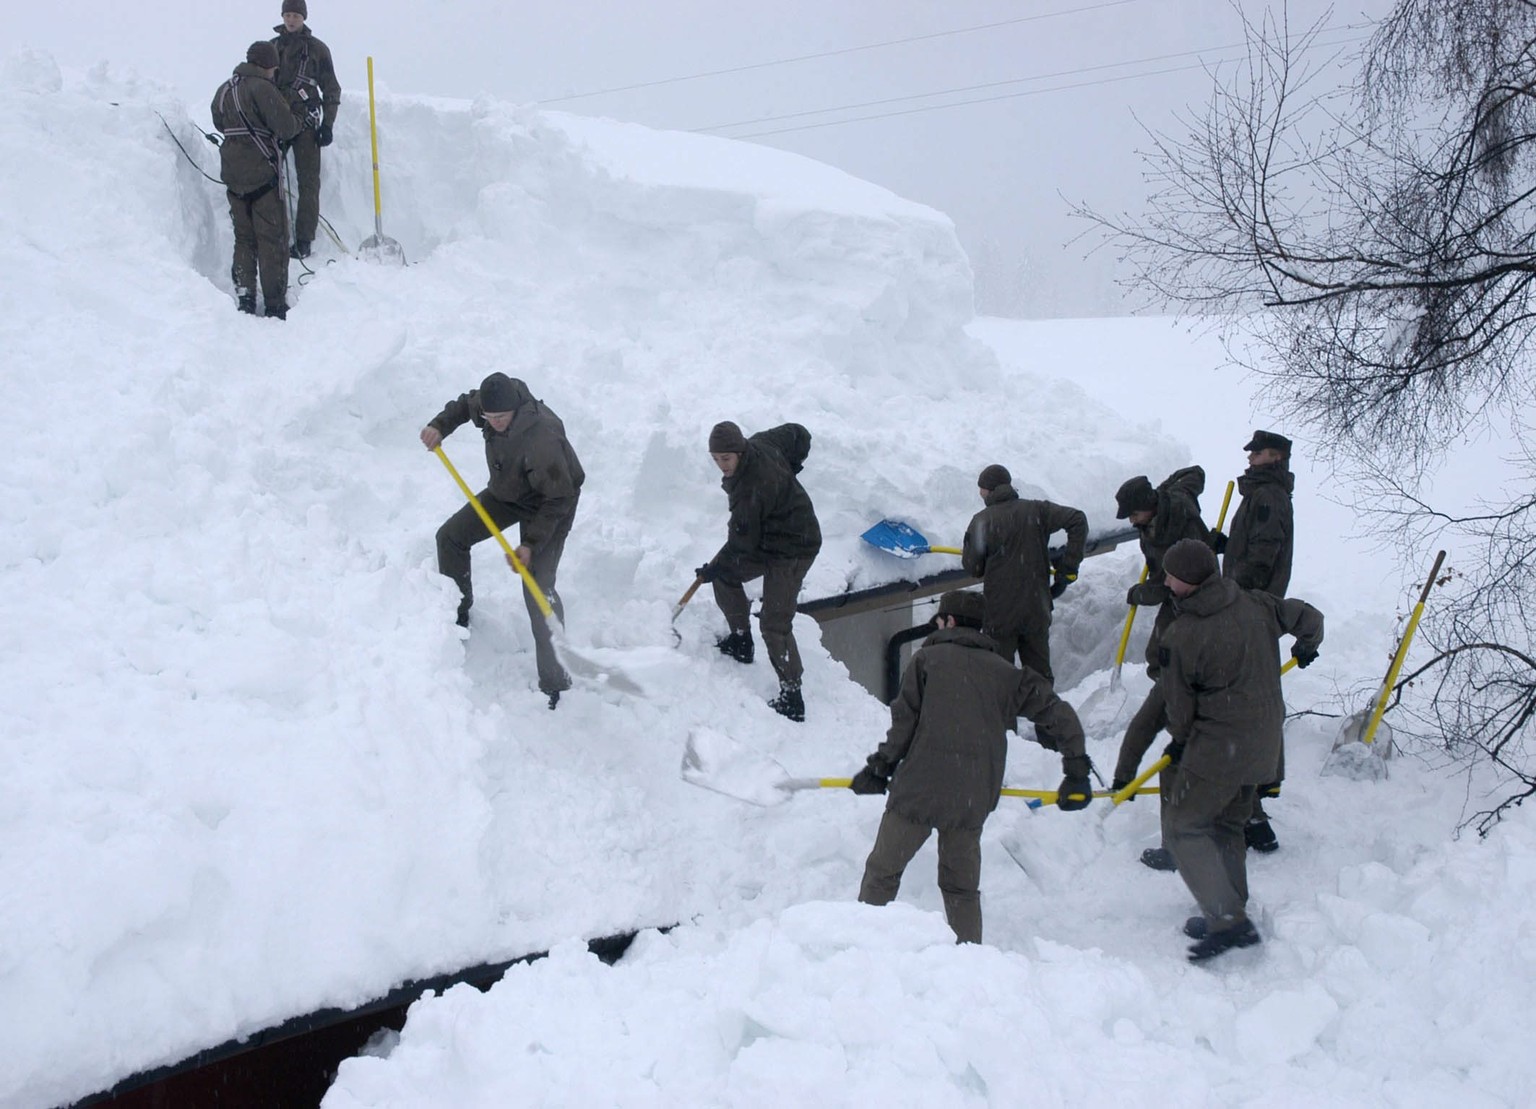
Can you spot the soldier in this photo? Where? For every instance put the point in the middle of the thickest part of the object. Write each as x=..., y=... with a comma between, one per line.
x=306, y=76
x=535, y=482
x=1258, y=556
x=1220, y=677
x=944, y=755
x=772, y=534
x=1163, y=516
x=255, y=122
x=1007, y=545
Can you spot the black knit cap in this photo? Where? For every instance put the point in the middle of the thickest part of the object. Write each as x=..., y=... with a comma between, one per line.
x=497, y=393
x=1136, y=495
x=1264, y=440
x=1190, y=560
x=993, y=476
x=966, y=606
x=262, y=54
x=726, y=438
x=295, y=6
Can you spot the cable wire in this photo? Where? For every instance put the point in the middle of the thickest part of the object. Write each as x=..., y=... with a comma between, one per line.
x=836, y=53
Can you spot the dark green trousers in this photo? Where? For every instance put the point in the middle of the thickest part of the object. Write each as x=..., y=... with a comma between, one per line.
x=1203, y=826
x=1032, y=648
x=261, y=246
x=782, y=579
x=306, y=172
x=898, y=840
x=464, y=529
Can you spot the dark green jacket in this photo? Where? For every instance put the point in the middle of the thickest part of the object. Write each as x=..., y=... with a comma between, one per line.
x=1258, y=554
x=772, y=517
x=1177, y=517
x=947, y=746
x=305, y=72
x=1007, y=546
x=254, y=118
x=1220, y=677
x=532, y=465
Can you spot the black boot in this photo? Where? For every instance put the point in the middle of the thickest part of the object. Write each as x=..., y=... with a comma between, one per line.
x=554, y=699
x=1215, y=943
x=737, y=645
x=300, y=249
x=1158, y=858
x=247, y=304
x=278, y=311
x=1196, y=927
x=789, y=702
x=1260, y=837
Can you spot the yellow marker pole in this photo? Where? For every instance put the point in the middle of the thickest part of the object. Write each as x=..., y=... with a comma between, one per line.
x=373, y=139
x=1402, y=653
x=485, y=518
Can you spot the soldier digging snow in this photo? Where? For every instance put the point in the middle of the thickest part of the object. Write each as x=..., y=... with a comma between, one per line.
x=535, y=482
x=306, y=76
x=772, y=534
x=1257, y=555
x=1162, y=516
x=1220, y=676
x=944, y=756
x=1007, y=546
x=255, y=122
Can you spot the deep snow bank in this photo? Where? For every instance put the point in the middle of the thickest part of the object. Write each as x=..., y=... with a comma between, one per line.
x=251, y=767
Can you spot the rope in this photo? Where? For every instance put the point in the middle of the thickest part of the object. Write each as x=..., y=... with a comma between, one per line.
x=211, y=138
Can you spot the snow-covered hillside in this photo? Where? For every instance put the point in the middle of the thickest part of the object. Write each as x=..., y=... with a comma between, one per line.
x=251, y=768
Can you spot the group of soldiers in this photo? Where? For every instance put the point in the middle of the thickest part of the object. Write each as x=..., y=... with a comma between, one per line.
x=282, y=99
x=1213, y=653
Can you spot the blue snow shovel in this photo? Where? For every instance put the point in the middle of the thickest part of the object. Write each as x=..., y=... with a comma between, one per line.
x=902, y=540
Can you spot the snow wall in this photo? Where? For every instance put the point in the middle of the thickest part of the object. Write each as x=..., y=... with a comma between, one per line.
x=252, y=768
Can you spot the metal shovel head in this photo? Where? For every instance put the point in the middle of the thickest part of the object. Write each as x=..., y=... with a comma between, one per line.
x=1101, y=711
x=1352, y=757
x=583, y=667
x=715, y=761
x=382, y=250
x=897, y=538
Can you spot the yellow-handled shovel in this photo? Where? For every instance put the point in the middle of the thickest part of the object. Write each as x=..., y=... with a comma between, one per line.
x=378, y=247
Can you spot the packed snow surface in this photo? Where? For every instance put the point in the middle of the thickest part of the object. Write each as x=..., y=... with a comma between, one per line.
x=252, y=769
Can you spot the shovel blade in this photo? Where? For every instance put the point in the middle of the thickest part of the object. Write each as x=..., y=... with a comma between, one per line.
x=897, y=538
x=1352, y=757
x=583, y=667
x=382, y=250
x=715, y=761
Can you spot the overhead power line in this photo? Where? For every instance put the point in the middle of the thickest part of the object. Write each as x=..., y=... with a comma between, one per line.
x=1201, y=53
x=838, y=53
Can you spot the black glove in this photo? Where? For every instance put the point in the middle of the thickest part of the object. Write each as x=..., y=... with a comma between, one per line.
x=323, y=135
x=1147, y=593
x=705, y=573
x=1060, y=582
x=1120, y=783
x=1074, y=793
x=867, y=781
x=1218, y=542
x=1304, y=656
x=1174, y=751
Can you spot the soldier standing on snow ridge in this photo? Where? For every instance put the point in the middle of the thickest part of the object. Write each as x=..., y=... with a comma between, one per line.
x=1007, y=546
x=944, y=756
x=307, y=77
x=1163, y=516
x=255, y=121
x=772, y=534
x=1258, y=556
x=1220, y=676
x=535, y=481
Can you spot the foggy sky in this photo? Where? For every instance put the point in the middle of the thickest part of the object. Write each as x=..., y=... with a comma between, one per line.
x=1004, y=170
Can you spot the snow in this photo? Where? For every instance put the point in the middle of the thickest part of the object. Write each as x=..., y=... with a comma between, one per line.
x=253, y=770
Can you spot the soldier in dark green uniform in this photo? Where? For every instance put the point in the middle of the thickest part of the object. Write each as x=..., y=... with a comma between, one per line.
x=535, y=481
x=307, y=78
x=772, y=534
x=1257, y=555
x=1220, y=677
x=255, y=122
x=1162, y=516
x=1007, y=546
x=944, y=756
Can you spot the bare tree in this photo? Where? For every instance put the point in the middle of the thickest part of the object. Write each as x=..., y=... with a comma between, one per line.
x=1377, y=249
